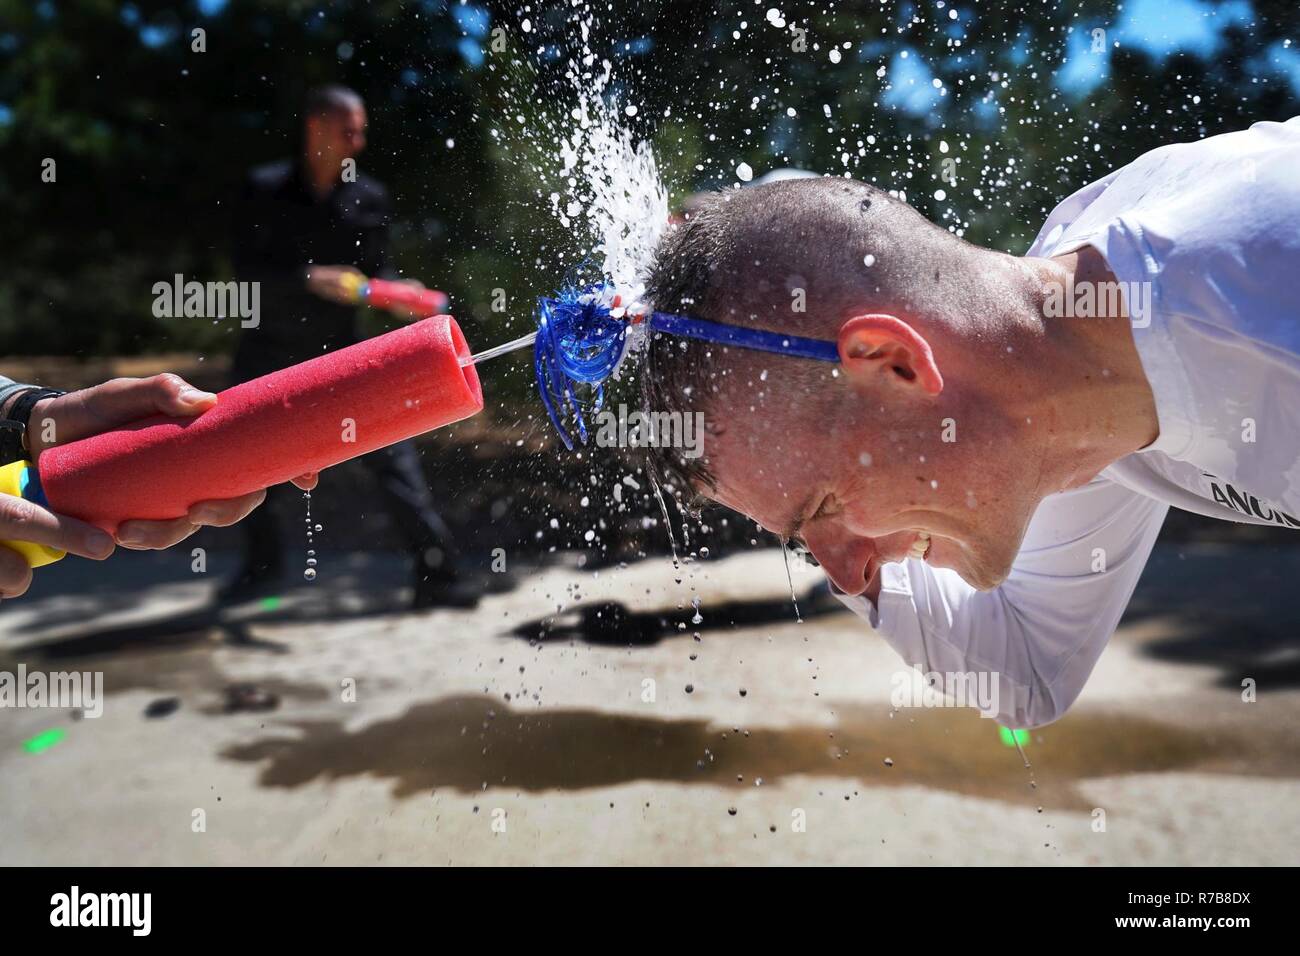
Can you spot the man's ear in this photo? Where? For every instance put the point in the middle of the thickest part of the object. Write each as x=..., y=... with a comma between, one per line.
x=878, y=344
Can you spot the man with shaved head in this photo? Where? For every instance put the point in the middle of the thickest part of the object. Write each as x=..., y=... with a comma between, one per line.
x=984, y=472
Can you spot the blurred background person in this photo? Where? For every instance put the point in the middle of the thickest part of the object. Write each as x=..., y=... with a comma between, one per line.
x=308, y=229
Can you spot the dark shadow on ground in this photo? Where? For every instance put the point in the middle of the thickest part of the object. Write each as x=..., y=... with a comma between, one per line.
x=1233, y=607
x=358, y=585
x=612, y=623
x=472, y=743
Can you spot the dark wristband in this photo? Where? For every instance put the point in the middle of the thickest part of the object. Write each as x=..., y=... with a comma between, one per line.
x=11, y=441
x=13, y=427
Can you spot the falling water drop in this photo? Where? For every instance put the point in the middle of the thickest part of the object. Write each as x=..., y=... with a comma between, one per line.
x=785, y=554
x=663, y=507
x=309, y=573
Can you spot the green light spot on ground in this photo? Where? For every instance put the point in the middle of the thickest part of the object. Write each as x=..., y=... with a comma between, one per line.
x=45, y=740
x=270, y=603
x=1012, y=737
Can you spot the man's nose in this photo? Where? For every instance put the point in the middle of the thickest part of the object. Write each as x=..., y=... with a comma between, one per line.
x=844, y=557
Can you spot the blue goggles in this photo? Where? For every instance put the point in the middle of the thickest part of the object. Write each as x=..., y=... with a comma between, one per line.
x=581, y=342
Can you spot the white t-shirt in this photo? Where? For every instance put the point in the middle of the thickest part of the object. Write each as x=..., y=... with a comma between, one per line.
x=1213, y=230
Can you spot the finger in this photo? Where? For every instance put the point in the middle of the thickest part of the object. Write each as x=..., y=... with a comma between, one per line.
x=125, y=400
x=172, y=395
x=141, y=535
x=335, y=291
x=20, y=520
x=306, y=482
x=15, y=573
x=226, y=511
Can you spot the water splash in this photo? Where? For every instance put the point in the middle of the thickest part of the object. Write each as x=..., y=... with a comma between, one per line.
x=613, y=197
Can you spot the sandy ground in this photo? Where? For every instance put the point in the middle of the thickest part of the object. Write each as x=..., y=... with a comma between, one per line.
x=494, y=736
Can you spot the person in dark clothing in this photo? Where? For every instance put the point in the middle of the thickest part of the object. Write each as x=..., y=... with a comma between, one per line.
x=306, y=230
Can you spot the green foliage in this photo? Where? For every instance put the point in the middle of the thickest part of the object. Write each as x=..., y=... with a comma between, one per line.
x=151, y=138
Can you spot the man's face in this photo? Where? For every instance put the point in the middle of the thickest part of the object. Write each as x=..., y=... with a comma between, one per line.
x=338, y=135
x=860, y=483
x=905, y=447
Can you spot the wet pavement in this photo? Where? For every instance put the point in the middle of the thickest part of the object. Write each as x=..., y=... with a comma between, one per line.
x=582, y=717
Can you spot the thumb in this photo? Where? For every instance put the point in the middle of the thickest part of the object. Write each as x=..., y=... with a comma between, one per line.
x=102, y=408
x=125, y=400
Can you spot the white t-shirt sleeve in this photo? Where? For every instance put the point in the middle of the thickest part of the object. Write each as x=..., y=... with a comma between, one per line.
x=1039, y=634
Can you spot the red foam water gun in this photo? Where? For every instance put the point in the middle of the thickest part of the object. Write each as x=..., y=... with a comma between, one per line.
x=301, y=419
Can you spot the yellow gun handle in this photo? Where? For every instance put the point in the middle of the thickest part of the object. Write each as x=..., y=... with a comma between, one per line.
x=354, y=284
x=16, y=480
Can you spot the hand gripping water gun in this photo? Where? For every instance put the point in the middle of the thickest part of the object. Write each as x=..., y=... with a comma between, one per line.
x=266, y=431
x=382, y=294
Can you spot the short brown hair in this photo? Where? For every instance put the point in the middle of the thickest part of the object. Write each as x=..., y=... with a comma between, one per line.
x=736, y=258
x=330, y=100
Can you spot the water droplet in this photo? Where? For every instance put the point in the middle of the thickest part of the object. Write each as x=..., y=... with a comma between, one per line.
x=785, y=556
x=310, y=572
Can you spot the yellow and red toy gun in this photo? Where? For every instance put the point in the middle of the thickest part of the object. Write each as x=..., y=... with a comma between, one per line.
x=383, y=294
